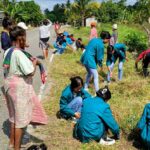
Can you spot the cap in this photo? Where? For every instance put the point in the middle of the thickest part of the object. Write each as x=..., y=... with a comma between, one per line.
x=114, y=26
x=22, y=25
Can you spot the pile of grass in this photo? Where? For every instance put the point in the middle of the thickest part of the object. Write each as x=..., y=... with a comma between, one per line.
x=128, y=96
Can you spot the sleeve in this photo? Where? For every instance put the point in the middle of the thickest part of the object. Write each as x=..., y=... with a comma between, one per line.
x=64, y=106
x=5, y=41
x=99, y=54
x=141, y=56
x=24, y=63
x=142, y=120
x=109, y=120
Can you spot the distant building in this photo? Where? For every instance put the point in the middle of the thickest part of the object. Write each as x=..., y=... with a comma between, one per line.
x=1, y=17
x=89, y=20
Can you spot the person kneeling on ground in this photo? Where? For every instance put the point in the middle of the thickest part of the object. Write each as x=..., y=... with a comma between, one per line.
x=71, y=99
x=96, y=118
x=144, y=126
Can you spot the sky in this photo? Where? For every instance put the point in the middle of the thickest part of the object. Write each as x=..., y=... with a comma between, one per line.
x=50, y=3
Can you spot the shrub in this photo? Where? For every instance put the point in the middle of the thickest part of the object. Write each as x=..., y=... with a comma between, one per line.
x=136, y=42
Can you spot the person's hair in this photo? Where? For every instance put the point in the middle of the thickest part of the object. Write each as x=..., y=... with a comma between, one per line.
x=15, y=32
x=80, y=39
x=45, y=22
x=76, y=82
x=110, y=49
x=6, y=22
x=105, y=35
x=104, y=93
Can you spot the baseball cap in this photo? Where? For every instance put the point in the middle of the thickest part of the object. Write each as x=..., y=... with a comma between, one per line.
x=22, y=25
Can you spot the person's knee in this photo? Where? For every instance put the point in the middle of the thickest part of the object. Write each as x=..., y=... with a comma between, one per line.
x=79, y=100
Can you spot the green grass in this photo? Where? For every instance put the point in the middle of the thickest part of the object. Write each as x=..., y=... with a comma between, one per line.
x=128, y=96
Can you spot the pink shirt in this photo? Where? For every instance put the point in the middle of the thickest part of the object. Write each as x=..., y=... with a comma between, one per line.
x=93, y=33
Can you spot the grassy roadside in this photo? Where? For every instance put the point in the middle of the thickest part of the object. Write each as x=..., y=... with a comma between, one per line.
x=128, y=97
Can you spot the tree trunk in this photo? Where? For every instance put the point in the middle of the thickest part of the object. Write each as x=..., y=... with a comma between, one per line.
x=148, y=34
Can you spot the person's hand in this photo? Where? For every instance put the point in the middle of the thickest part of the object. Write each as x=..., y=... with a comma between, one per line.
x=127, y=59
x=110, y=74
x=43, y=77
x=77, y=115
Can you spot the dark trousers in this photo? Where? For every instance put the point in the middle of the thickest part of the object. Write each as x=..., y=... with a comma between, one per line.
x=146, y=62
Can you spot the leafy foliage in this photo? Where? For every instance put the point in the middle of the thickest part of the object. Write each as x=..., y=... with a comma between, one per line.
x=136, y=42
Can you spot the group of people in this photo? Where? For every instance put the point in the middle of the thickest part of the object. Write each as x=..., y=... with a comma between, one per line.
x=92, y=115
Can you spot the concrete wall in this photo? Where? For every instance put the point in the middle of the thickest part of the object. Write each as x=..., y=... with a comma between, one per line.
x=89, y=20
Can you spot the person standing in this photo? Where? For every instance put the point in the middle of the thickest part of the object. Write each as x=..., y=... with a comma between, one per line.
x=44, y=32
x=114, y=36
x=23, y=105
x=94, y=55
x=93, y=33
x=5, y=38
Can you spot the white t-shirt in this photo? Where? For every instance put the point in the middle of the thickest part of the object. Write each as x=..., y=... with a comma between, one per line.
x=19, y=64
x=45, y=30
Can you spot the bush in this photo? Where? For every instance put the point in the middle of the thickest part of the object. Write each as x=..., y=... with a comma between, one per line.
x=136, y=42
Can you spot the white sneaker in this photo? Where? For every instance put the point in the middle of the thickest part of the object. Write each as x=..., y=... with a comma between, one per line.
x=107, y=141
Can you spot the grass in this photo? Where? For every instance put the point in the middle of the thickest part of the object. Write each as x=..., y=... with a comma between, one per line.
x=128, y=97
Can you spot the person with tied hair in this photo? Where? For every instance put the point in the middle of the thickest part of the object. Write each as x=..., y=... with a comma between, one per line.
x=23, y=105
x=5, y=38
x=94, y=55
x=96, y=118
x=72, y=98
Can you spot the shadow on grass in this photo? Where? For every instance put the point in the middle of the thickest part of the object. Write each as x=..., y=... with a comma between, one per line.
x=135, y=138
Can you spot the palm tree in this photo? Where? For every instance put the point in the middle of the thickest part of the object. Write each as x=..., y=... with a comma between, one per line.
x=84, y=9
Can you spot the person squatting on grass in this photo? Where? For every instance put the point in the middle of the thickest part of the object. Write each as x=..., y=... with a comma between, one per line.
x=143, y=126
x=23, y=105
x=96, y=118
x=44, y=34
x=145, y=57
x=72, y=98
x=118, y=51
x=94, y=55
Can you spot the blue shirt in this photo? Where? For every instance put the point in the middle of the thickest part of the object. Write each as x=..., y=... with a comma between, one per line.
x=94, y=54
x=144, y=125
x=120, y=52
x=69, y=41
x=95, y=112
x=67, y=96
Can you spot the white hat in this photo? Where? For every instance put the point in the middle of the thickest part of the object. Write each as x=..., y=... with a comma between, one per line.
x=114, y=26
x=22, y=25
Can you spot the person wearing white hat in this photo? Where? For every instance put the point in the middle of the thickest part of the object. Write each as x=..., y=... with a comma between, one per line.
x=114, y=36
x=22, y=25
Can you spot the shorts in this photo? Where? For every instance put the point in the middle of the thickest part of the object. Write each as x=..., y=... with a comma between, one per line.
x=44, y=43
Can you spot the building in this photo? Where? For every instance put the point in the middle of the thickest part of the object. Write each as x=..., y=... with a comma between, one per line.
x=89, y=20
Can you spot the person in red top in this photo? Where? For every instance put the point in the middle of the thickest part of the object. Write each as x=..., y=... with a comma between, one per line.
x=145, y=57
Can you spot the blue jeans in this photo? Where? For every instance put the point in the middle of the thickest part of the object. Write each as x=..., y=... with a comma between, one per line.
x=120, y=71
x=92, y=73
x=76, y=104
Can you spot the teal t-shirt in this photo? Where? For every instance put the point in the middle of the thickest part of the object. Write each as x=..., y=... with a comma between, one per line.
x=94, y=54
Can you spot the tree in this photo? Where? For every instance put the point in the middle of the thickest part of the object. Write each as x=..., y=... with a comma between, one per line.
x=81, y=9
x=142, y=15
